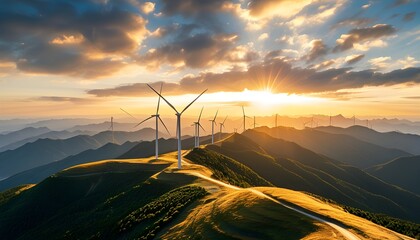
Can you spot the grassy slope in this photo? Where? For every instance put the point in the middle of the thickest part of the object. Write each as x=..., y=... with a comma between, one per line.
x=84, y=201
x=407, y=176
x=98, y=200
x=226, y=169
x=288, y=165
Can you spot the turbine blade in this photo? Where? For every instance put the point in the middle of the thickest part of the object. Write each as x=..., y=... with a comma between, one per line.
x=164, y=126
x=224, y=121
x=199, y=117
x=170, y=105
x=157, y=109
x=249, y=117
x=201, y=127
x=128, y=114
x=143, y=121
x=215, y=116
x=193, y=101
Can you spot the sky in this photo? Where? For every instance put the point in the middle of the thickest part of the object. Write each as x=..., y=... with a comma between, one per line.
x=89, y=58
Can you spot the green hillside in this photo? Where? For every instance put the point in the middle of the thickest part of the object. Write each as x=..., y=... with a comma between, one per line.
x=402, y=172
x=288, y=165
x=87, y=201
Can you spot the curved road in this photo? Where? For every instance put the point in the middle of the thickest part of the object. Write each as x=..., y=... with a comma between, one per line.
x=347, y=234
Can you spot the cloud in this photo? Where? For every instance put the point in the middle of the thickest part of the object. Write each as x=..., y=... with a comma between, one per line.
x=318, y=50
x=148, y=7
x=352, y=59
x=276, y=8
x=101, y=35
x=361, y=35
x=408, y=62
x=324, y=64
x=64, y=99
x=409, y=16
x=276, y=74
x=354, y=22
x=263, y=37
x=198, y=51
x=380, y=62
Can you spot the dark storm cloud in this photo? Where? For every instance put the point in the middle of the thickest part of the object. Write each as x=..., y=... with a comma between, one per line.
x=68, y=37
x=359, y=35
x=285, y=78
x=355, y=59
x=318, y=50
x=409, y=16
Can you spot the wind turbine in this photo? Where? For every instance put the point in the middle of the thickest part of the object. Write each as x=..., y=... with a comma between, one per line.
x=330, y=120
x=213, y=121
x=245, y=116
x=157, y=117
x=276, y=119
x=254, y=122
x=178, y=120
x=354, y=120
x=197, y=127
x=222, y=125
x=112, y=129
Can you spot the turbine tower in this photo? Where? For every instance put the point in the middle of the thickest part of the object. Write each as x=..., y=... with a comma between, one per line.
x=354, y=120
x=178, y=121
x=112, y=129
x=254, y=122
x=213, y=121
x=276, y=119
x=222, y=125
x=197, y=126
x=245, y=116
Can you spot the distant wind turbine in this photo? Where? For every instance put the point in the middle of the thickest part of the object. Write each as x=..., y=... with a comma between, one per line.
x=354, y=120
x=197, y=126
x=222, y=125
x=178, y=121
x=245, y=116
x=213, y=121
x=112, y=129
x=254, y=122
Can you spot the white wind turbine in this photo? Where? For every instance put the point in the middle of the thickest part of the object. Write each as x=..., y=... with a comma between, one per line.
x=222, y=125
x=157, y=117
x=197, y=126
x=178, y=121
x=213, y=121
x=244, y=116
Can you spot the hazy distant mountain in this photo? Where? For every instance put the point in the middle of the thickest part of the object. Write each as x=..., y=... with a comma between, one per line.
x=286, y=164
x=407, y=142
x=44, y=151
x=65, y=123
x=165, y=145
x=103, y=126
x=341, y=147
x=50, y=135
x=37, y=174
x=403, y=172
x=28, y=132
